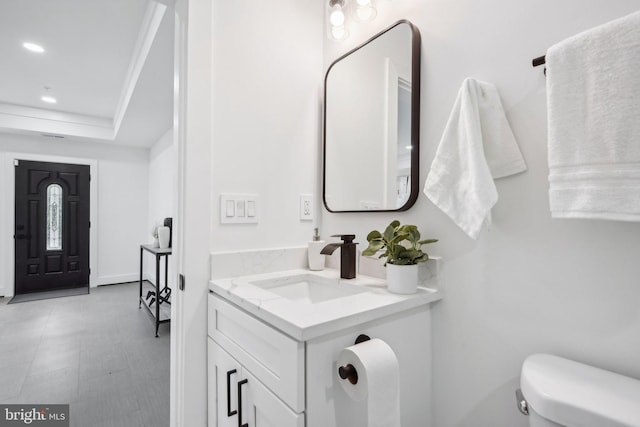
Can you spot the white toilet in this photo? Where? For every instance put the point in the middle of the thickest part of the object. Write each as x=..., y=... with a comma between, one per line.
x=561, y=392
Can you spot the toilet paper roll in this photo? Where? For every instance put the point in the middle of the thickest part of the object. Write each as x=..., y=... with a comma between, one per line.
x=378, y=381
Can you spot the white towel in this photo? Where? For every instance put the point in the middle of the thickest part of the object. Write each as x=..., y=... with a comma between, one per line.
x=476, y=147
x=593, y=96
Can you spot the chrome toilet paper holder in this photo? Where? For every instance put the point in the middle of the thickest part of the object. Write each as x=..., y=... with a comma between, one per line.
x=349, y=372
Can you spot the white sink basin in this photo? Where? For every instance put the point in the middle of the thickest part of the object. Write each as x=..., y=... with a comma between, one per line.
x=308, y=288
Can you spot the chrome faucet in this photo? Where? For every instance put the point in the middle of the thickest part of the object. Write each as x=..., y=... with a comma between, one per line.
x=347, y=254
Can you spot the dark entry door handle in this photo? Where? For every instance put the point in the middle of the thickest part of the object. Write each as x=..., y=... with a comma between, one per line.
x=22, y=236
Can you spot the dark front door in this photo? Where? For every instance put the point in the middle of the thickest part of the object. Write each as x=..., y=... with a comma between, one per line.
x=52, y=226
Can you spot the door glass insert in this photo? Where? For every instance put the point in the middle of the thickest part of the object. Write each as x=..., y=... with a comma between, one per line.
x=54, y=217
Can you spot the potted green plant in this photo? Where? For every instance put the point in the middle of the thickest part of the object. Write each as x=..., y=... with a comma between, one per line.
x=403, y=252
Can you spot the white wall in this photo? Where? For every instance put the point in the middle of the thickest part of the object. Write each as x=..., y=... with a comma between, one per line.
x=121, y=203
x=529, y=284
x=162, y=180
x=248, y=122
x=122, y=216
x=267, y=77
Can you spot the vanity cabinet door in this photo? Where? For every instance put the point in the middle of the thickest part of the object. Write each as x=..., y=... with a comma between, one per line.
x=223, y=377
x=259, y=406
x=265, y=409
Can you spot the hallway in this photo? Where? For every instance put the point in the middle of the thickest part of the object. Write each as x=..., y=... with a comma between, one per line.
x=96, y=352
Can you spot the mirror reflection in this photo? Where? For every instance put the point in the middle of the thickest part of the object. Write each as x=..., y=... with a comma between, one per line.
x=371, y=124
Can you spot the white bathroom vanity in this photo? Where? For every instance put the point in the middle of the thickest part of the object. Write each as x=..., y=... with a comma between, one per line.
x=274, y=341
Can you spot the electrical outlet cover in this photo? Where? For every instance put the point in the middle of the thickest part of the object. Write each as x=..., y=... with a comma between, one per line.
x=306, y=207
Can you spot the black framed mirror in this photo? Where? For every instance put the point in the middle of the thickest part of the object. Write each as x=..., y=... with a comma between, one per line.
x=371, y=124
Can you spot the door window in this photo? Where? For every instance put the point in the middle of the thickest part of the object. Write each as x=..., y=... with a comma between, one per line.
x=54, y=217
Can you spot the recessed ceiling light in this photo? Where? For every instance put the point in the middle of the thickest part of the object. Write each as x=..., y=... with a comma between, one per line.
x=33, y=47
x=49, y=99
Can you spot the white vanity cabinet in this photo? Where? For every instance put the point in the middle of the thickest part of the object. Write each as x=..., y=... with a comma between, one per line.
x=292, y=379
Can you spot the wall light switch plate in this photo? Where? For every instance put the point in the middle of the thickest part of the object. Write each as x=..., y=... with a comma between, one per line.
x=238, y=208
x=306, y=207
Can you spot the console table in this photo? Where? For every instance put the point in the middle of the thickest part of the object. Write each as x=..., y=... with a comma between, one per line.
x=156, y=294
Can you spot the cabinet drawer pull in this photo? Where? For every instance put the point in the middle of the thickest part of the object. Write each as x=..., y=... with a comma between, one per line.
x=240, y=384
x=230, y=413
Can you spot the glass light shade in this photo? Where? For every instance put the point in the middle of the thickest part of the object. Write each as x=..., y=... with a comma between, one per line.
x=337, y=29
x=366, y=13
x=339, y=33
x=337, y=16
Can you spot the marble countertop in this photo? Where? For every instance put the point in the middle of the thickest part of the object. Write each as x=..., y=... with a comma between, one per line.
x=305, y=321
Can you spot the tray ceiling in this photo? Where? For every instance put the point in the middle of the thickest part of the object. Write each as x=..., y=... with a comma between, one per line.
x=109, y=65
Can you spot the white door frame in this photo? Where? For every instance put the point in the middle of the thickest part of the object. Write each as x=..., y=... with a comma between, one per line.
x=192, y=131
x=176, y=379
x=7, y=225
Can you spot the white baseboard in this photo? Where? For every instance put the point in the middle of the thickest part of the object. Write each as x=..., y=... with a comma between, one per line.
x=119, y=278
x=100, y=281
x=124, y=278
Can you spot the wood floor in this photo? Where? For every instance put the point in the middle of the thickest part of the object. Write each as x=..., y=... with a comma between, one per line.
x=96, y=352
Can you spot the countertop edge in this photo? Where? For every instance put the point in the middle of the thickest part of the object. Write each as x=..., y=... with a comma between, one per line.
x=302, y=334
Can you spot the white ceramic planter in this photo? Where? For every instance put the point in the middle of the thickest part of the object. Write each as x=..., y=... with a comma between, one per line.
x=402, y=279
x=163, y=237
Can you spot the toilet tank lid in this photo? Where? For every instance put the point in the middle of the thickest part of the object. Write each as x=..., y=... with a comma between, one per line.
x=574, y=394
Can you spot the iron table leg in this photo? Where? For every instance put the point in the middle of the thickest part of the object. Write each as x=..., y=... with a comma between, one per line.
x=140, y=297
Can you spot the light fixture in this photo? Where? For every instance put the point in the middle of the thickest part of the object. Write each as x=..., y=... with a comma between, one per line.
x=365, y=10
x=340, y=11
x=47, y=98
x=337, y=29
x=33, y=47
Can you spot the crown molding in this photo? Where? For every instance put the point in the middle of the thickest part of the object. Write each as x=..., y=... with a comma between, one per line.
x=148, y=30
x=21, y=119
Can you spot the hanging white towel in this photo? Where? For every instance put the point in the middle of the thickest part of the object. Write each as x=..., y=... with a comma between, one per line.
x=593, y=97
x=476, y=147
